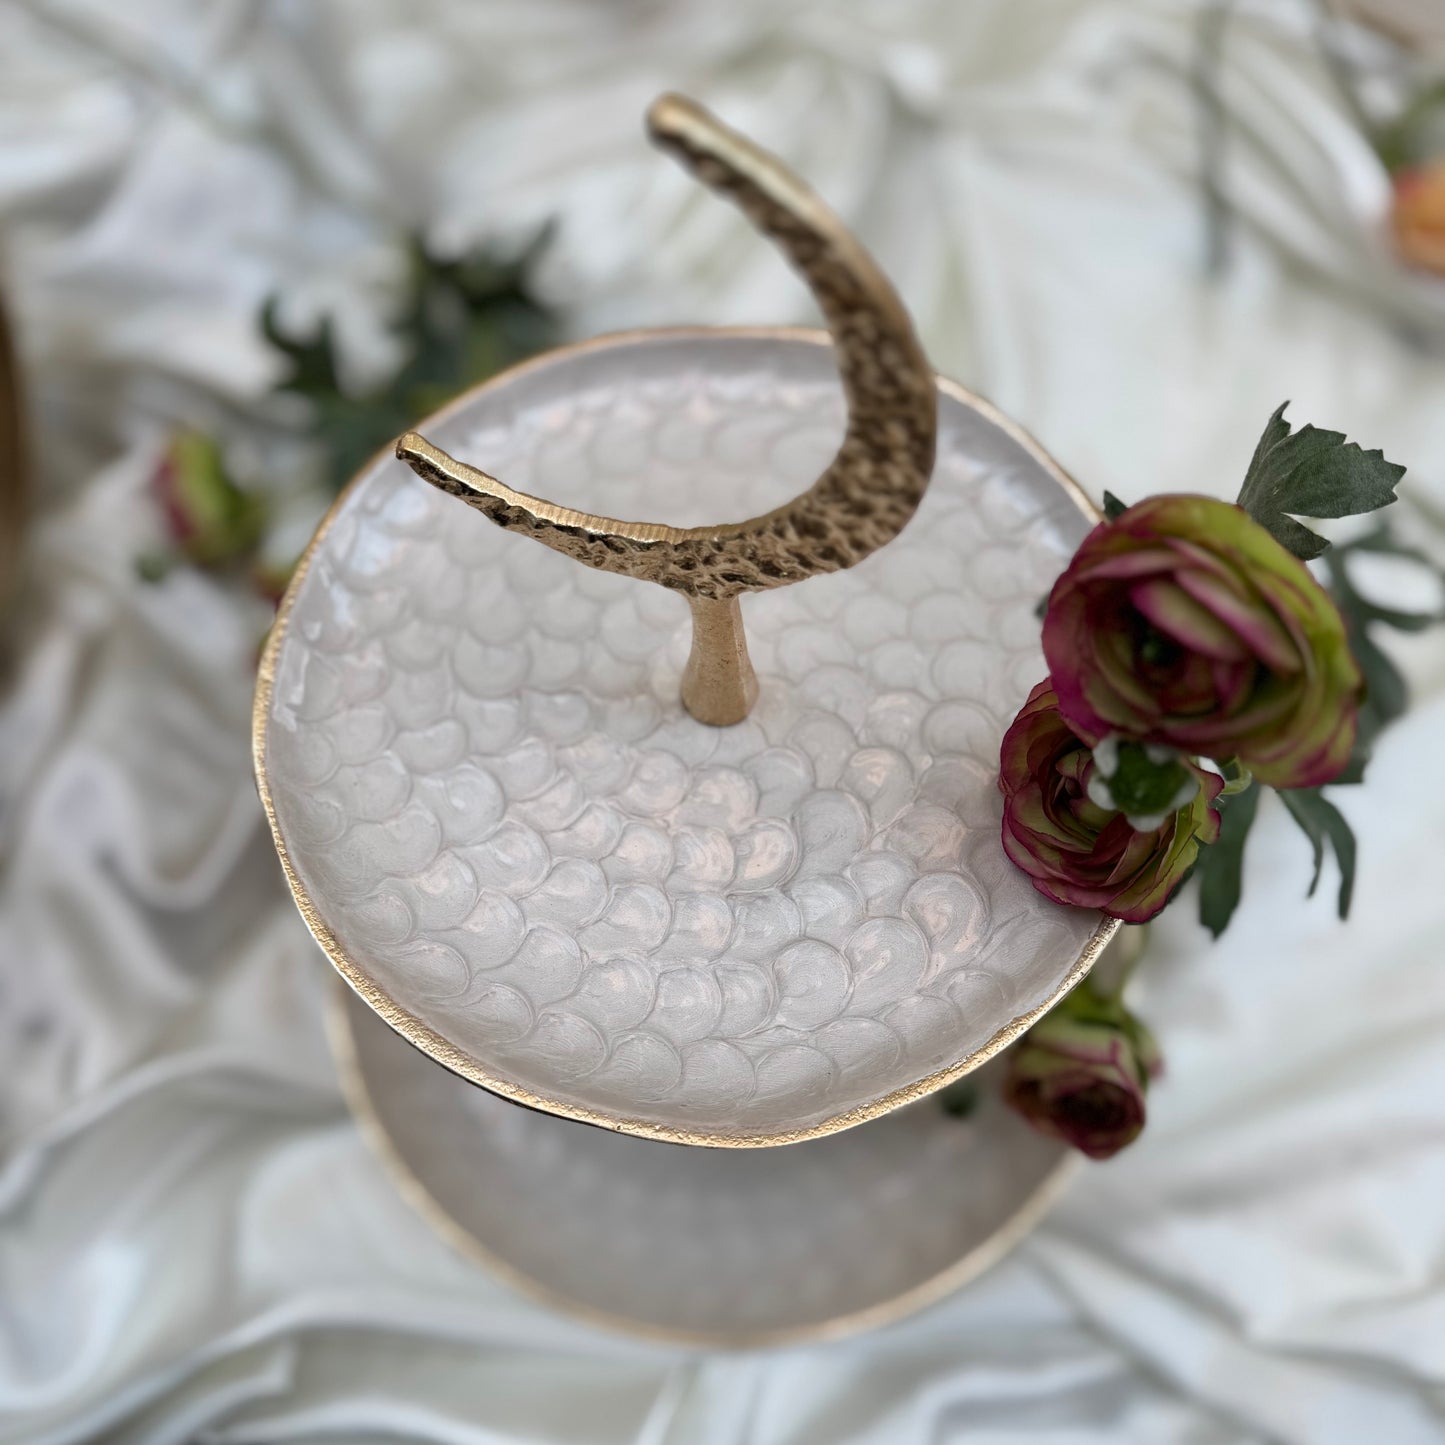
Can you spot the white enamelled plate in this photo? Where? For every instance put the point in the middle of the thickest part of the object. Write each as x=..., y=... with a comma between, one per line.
x=520, y=850
x=702, y=1246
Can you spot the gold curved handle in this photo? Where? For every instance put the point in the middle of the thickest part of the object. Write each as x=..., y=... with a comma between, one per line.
x=862, y=501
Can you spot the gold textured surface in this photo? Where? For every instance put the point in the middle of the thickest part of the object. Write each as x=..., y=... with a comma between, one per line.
x=445, y=1052
x=863, y=499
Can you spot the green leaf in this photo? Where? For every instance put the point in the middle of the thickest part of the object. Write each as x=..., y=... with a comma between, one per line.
x=1312, y=473
x=1276, y=430
x=1379, y=541
x=1380, y=538
x=1400, y=621
x=959, y=1099
x=1221, y=864
x=1323, y=823
x=460, y=322
x=1237, y=778
x=1113, y=506
x=1386, y=694
x=313, y=359
x=1407, y=140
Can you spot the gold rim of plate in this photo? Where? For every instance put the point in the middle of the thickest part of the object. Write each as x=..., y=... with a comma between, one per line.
x=441, y=1049
x=933, y=1290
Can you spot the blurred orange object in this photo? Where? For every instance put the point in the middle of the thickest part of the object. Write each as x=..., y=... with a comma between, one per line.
x=1417, y=24
x=1417, y=216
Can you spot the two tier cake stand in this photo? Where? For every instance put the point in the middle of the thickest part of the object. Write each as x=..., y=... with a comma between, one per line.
x=579, y=841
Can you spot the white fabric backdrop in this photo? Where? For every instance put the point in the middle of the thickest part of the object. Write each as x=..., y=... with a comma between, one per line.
x=194, y=1242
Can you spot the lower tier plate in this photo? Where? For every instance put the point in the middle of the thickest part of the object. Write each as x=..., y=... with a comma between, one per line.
x=713, y=1247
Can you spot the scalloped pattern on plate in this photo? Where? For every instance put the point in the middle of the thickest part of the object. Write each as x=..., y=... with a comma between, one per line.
x=487, y=786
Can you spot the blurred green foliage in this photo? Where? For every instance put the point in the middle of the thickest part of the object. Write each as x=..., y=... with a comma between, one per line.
x=462, y=321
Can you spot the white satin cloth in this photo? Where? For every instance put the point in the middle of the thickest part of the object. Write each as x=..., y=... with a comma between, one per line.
x=195, y=1244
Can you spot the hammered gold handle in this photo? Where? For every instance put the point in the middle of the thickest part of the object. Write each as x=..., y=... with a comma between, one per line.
x=862, y=501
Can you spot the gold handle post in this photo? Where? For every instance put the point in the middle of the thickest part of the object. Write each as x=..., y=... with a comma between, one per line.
x=862, y=500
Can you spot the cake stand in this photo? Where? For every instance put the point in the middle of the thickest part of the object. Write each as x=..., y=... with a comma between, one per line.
x=714, y=861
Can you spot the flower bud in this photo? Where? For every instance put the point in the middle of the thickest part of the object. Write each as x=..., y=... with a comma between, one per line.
x=1082, y=1072
x=211, y=520
x=1121, y=843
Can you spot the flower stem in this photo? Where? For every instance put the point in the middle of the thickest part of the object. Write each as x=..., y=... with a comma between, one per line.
x=1111, y=977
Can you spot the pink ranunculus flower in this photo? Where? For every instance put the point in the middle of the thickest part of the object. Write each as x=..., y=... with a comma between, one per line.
x=211, y=520
x=1075, y=849
x=1082, y=1072
x=1183, y=622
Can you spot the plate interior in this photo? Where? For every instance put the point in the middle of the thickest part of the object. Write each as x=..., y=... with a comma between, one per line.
x=519, y=847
